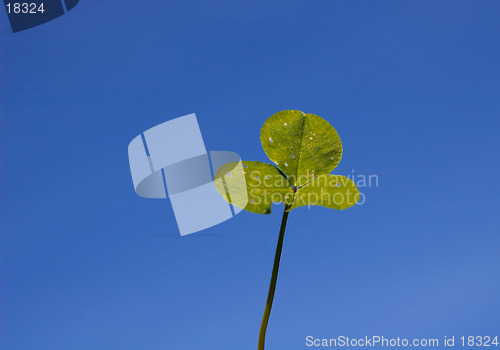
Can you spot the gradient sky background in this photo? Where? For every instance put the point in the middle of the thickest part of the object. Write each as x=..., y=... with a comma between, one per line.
x=412, y=87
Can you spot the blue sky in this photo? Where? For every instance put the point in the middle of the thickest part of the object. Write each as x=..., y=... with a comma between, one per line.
x=412, y=89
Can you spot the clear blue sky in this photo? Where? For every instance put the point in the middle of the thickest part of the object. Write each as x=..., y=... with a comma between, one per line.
x=412, y=87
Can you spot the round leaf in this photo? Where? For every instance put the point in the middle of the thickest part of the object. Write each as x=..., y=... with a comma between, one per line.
x=253, y=186
x=331, y=191
x=303, y=146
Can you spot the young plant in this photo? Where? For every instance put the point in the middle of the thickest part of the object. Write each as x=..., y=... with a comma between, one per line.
x=304, y=148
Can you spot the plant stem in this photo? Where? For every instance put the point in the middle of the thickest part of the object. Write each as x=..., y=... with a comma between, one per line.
x=272, y=286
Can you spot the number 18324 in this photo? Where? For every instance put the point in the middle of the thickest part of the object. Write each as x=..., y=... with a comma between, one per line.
x=479, y=341
x=24, y=7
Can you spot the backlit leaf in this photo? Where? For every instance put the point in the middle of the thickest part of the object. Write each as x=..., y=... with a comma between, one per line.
x=303, y=146
x=253, y=186
x=331, y=191
x=305, y=149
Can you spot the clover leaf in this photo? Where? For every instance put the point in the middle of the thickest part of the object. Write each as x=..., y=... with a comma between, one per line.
x=305, y=149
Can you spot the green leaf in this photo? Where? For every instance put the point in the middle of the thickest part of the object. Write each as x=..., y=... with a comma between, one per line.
x=303, y=146
x=253, y=186
x=331, y=191
x=306, y=148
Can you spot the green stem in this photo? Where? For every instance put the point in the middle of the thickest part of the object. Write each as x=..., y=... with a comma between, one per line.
x=272, y=286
